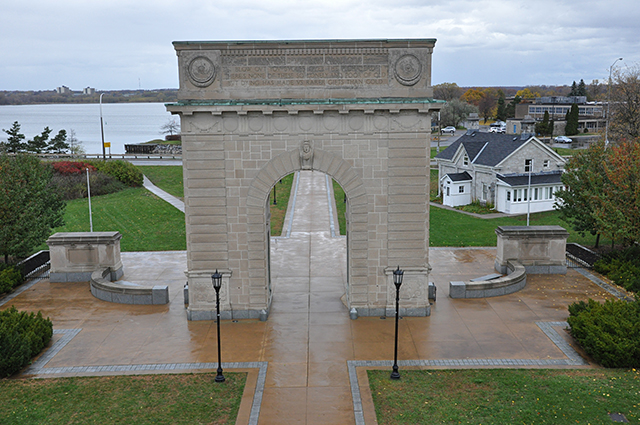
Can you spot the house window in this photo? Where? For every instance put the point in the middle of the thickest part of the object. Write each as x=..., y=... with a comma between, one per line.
x=517, y=195
x=460, y=189
x=465, y=160
x=527, y=165
x=525, y=194
x=545, y=163
x=448, y=192
x=535, y=194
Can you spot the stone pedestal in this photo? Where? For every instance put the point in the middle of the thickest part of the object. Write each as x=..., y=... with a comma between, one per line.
x=540, y=249
x=75, y=256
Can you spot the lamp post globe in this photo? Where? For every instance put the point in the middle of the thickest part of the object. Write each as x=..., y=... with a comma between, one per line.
x=216, y=278
x=397, y=281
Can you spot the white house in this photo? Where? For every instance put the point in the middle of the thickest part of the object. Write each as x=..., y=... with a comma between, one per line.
x=495, y=168
x=456, y=189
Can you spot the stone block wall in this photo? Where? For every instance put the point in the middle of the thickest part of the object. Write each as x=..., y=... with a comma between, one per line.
x=254, y=112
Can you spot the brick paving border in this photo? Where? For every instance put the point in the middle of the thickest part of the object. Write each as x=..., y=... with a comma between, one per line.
x=573, y=359
x=38, y=368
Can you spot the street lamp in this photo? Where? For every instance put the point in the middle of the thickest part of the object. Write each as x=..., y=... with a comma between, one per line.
x=216, y=278
x=606, y=131
x=397, y=280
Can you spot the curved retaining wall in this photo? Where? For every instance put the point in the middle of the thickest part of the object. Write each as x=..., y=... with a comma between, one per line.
x=126, y=292
x=515, y=280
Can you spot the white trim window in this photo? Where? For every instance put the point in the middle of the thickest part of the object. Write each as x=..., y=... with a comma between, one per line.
x=528, y=165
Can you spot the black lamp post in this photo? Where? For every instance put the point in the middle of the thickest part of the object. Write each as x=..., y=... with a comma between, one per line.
x=216, y=278
x=275, y=202
x=397, y=280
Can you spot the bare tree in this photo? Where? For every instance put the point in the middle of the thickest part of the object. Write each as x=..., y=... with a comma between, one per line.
x=456, y=111
x=624, y=121
x=171, y=127
x=447, y=91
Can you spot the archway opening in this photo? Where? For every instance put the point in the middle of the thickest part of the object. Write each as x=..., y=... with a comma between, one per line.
x=308, y=258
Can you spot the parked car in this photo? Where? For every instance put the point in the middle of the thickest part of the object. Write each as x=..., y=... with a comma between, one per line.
x=450, y=129
x=500, y=129
x=562, y=139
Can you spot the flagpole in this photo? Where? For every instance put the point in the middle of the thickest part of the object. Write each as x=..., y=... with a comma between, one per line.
x=89, y=196
x=529, y=193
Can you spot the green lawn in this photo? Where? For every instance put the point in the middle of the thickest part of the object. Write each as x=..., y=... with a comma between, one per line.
x=341, y=206
x=146, y=222
x=506, y=396
x=149, y=224
x=279, y=210
x=450, y=228
x=145, y=399
x=167, y=178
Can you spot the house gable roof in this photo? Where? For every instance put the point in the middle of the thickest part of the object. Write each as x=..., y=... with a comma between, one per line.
x=459, y=177
x=539, y=145
x=485, y=148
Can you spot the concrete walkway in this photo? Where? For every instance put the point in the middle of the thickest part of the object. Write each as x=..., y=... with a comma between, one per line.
x=306, y=363
x=162, y=194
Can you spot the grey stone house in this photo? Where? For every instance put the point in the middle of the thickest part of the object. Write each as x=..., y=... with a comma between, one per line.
x=515, y=173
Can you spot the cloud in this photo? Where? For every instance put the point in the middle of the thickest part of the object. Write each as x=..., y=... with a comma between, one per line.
x=110, y=44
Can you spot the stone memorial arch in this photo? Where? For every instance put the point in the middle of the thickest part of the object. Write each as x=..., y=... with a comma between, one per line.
x=253, y=112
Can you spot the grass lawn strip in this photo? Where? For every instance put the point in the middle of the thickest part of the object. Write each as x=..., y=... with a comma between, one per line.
x=341, y=206
x=167, y=178
x=144, y=399
x=279, y=210
x=506, y=396
x=146, y=222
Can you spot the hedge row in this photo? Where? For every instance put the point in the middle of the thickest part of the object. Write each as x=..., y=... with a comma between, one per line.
x=10, y=277
x=124, y=171
x=22, y=336
x=105, y=177
x=608, y=332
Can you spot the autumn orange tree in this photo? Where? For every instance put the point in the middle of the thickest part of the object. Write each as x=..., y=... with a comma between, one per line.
x=602, y=194
x=618, y=209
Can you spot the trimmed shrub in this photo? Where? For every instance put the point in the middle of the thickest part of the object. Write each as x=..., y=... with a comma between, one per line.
x=22, y=336
x=609, y=332
x=623, y=267
x=124, y=171
x=72, y=167
x=10, y=277
x=74, y=186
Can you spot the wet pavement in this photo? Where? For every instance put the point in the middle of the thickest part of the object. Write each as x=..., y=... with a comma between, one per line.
x=308, y=340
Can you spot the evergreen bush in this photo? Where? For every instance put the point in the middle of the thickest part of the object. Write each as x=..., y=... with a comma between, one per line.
x=22, y=336
x=74, y=186
x=623, y=267
x=124, y=171
x=608, y=332
x=10, y=277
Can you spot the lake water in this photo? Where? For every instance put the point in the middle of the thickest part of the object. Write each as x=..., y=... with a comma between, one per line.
x=124, y=123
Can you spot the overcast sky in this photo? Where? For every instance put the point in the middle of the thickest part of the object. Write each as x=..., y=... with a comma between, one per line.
x=119, y=44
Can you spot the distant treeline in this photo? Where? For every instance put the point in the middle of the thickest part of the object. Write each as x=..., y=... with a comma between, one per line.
x=115, y=96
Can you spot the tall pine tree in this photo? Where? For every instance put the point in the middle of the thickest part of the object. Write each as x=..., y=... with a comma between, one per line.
x=571, y=129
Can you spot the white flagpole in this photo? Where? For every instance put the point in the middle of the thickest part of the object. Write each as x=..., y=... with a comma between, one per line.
x=89, y=196
x=529, y=193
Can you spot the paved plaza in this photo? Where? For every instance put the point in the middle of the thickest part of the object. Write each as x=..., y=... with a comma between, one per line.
x=307, y=362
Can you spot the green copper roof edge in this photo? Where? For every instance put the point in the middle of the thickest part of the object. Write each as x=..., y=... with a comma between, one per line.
x=310, y=41
x=282, y=102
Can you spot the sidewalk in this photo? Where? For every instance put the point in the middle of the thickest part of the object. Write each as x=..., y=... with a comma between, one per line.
x=309, y=354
